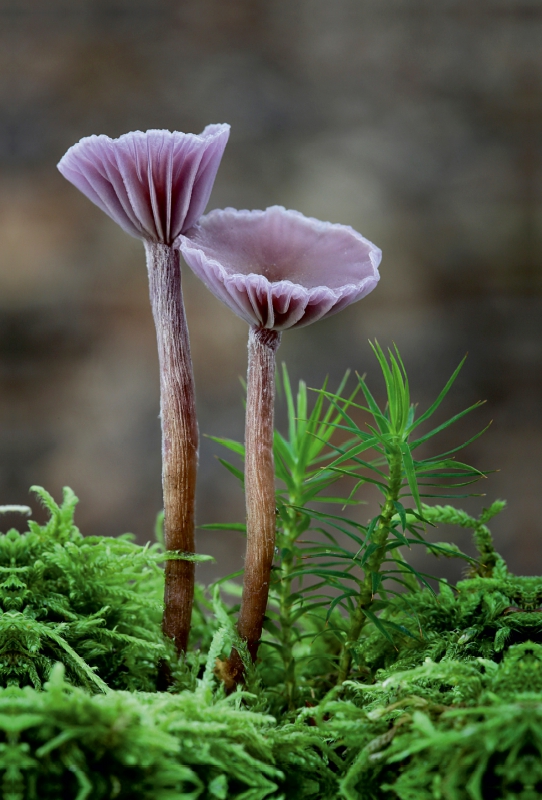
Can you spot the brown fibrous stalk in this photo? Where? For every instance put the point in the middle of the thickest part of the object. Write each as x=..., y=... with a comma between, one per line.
x=259, y=492
x=179, y=436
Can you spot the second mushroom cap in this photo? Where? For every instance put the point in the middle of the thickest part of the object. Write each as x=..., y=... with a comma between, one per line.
x=279, y=269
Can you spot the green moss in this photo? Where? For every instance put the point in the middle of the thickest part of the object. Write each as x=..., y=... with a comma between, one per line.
x=64, y=742
x=93, y=604
x=448, y=730
x=480, y=618
x=449, y=708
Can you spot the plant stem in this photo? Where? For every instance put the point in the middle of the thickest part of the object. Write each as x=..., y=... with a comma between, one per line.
x=375, y=560
x=259, y=490
x=179, y=436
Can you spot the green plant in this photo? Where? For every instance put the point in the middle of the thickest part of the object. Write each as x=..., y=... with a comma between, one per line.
x=397, y=474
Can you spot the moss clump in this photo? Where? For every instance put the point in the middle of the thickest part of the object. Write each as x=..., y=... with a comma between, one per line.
x=93, y=604
x=479, y=618
x=453, y=731
x=64, y=742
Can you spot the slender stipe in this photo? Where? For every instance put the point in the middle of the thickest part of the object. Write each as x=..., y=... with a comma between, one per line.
x=179, y=435
x=259, y=483
x=259, y=491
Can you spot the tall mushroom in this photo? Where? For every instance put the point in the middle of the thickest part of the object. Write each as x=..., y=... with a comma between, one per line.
x=277, y=270
x=156, y=185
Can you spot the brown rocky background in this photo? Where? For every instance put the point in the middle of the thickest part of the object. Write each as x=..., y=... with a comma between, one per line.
x=418, y=122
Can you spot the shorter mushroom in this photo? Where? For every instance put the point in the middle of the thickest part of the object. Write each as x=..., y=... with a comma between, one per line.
x=276, y=269
x=156, y=185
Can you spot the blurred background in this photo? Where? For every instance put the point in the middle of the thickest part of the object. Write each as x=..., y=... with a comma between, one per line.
x=418, y=122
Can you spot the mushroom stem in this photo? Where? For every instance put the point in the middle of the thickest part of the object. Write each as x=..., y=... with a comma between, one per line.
x=259, y=489
x=179, y=435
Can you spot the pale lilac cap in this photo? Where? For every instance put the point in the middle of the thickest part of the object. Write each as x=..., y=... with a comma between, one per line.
x=279, y=269
x=156, y=184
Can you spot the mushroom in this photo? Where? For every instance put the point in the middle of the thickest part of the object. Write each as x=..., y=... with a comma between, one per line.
x=156, y=185
x=276, y=269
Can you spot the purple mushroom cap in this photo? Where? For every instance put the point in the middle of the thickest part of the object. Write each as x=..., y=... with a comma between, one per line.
x=156, y=184
x=279, y=269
